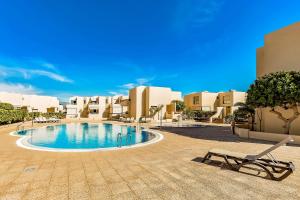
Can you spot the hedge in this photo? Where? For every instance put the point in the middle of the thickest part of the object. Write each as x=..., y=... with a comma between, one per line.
x=11, y=116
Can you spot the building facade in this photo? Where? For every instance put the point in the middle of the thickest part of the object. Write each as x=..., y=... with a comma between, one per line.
x=223, y=102
x=33, y=103
x=280, y=52
x=96, y=107
x=206, y=101
x=153, y=102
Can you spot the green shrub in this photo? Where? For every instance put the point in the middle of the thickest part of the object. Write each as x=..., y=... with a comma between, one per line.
x=229, y=118
x=6, y=106
x=203, y=115
x=11, y=116
x=188, y=113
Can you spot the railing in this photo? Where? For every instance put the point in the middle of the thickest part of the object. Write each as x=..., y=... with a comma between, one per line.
x=129, y=138
x=22, y=127
x=119, y=140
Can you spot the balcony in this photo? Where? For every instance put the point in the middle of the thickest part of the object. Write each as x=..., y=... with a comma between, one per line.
x=94, y=106
x=71, y=106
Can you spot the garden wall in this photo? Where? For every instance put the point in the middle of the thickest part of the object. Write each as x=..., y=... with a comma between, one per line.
x=275, y=137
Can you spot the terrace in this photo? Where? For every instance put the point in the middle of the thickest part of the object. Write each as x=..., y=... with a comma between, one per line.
x=148, y=172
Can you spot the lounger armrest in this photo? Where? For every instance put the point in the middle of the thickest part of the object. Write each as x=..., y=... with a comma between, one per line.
x=251, y=157
x=292, y=166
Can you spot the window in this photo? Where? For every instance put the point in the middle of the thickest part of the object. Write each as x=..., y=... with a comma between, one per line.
x=196, y=100
x=226, y=100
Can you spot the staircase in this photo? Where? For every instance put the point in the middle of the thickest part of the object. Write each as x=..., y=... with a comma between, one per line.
x=85, y=112
x=154, y=110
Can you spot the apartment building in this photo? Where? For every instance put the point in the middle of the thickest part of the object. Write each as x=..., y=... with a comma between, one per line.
x=223, y=102
x=76, y=106
x=118, y=106
x=280, y=52
x=228, y=100
x=34, y=103
x=153, y=102
x=95, y=107
x=206, y=101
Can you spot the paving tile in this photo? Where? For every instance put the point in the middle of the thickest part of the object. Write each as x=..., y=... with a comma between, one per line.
x=14, y=188
x=136, y=184
x=58, y=197
x=119, y=187
x=146, y=193
x=12, y=196
x=125, y=196
x=165, y=170
x=36, y=194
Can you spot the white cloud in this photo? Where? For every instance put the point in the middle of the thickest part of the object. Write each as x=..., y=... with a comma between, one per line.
x=192, y=13
x=18, y=88
x=142, y=81
x=50, y=75
x=29, y=73
x=120, y=93
x=128, y=85
x=41, y=63
x=48, y=65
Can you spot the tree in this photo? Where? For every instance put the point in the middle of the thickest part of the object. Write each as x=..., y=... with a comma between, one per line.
x=274, y=91
x=244, y=111
x=180, y=106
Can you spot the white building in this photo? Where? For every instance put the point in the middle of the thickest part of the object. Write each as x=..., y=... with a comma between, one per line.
x=118, y=106
x=96, y=107
x=143, y=99
x=76, y=106
x=34, y=103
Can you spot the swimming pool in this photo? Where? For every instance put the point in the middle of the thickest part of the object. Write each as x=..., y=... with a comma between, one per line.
x=85, y=137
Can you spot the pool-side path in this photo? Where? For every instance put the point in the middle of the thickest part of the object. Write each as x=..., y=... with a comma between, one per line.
x=164, y=170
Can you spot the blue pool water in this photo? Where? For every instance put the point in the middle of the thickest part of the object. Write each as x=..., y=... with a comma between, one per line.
x=85, y=136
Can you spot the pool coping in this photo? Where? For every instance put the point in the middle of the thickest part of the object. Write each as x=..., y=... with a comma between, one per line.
x=23, y=142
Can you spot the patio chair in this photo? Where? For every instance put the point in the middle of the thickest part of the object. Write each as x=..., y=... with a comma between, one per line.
x=275, y=170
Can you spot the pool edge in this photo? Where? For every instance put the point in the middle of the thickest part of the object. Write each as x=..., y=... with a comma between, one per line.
x=22, y=142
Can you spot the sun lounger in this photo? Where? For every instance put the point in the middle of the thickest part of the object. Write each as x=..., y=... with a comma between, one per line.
x=36, y=120
x=44, y=120
x=276, y=170
x=52, y=119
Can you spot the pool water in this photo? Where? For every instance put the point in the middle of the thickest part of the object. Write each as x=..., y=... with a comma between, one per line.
x=85, y=136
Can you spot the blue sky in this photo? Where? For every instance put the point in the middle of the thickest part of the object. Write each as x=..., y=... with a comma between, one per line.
x=65, y=48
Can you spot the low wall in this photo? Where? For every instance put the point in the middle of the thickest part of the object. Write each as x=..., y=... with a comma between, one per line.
x=275, y=137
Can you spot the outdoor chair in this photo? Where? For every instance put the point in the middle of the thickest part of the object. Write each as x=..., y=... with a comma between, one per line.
x=275, y=170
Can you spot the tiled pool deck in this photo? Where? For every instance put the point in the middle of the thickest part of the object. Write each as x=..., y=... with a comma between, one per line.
x=164, y=170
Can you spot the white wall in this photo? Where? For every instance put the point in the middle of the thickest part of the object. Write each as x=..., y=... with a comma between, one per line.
x=41, y=103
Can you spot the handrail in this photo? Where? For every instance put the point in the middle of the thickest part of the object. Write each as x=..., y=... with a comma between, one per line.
x=119, y=140
x=129, y=137
x=18, y=127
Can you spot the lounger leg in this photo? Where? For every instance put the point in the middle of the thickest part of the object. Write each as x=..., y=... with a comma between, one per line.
x=229, y=164
x=207, y=157
x=286, y=174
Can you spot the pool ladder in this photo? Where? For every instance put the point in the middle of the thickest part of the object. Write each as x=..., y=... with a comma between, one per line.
x=20, y=127
x=128, y=139
x=119, y=140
